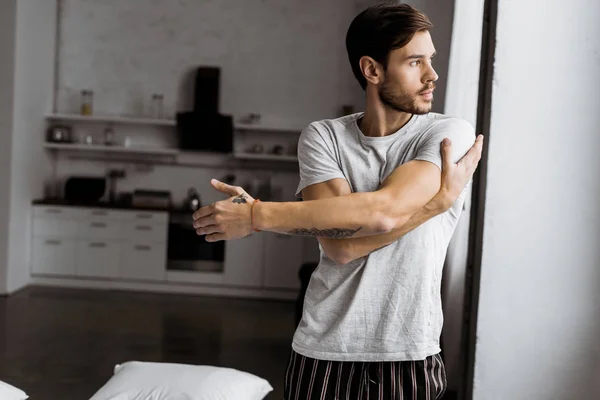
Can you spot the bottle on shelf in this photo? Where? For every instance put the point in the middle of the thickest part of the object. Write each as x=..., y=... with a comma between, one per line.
x=157, y=106
x=87, y=100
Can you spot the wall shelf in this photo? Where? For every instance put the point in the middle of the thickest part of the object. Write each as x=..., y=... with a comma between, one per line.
x=126, y=120
x=265, y=157
x=112, y=149
x=269, y=128
x=179, y=157
x=114, y=119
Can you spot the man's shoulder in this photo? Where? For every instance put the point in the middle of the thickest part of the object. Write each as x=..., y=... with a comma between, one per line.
x=334, y=125
x=448, y=122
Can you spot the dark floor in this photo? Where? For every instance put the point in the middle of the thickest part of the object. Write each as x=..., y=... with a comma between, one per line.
x=62, y=344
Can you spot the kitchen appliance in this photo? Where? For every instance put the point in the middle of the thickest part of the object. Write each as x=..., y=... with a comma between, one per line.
x=84, y=189
x=206, y=90
x=59, y=134
x=192, y=202
x=187, y=251
x=112, y=176
x=205, y=132
x=204, y=128
x=157, y=199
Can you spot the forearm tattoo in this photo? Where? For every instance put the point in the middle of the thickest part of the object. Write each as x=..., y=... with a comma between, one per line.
x=334, y=233
x=241, y=199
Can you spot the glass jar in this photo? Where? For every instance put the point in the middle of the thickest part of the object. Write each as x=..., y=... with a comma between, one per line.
x=157, y=106
x=87, y=100
x=109, y=136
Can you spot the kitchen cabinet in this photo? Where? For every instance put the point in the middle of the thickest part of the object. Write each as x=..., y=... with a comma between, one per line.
x=97, y=258
x=283, y=258
x=244, y=261
x=144, y=261
x=99, y=243
x=53, y=256
x=53, y=242
x=119, y=246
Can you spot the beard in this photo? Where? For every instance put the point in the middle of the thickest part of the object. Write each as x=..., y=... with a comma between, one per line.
x=404, y=102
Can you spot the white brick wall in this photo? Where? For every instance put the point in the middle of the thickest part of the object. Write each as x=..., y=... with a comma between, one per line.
x=282, y=58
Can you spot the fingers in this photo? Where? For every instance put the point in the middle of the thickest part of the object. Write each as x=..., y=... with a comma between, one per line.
x=205, y=221
x=446, y=154
x=225, y=188
x=473, y=156
x=203, y=212
x=208, y=230
x=215, y=237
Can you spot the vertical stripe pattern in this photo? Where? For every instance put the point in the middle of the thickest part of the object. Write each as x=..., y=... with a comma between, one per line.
x=307, y=378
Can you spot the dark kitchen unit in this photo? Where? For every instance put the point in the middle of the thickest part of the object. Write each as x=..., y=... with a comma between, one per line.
x=187, y=251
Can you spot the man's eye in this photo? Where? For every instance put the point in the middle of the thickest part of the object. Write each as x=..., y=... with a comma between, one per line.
x=415, y=63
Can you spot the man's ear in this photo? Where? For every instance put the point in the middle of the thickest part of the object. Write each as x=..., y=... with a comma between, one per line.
x=371, y=70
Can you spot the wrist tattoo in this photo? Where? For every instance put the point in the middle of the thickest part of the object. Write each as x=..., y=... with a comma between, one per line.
x=334, y=233
x=241, y=199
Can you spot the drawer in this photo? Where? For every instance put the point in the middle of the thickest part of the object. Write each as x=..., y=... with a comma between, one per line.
x=140, y=216
x=144, y=232
x=99, y=228
x=97, y=258
x=53, y=256
x=57, y=227
x=143, y=261
x=102, y=214
x=56, y=212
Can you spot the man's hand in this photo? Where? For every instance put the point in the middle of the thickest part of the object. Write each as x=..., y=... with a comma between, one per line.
x=225, y=219
x=456, y=176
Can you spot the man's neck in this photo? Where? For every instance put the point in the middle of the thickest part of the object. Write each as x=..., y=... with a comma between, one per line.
x=379, y=120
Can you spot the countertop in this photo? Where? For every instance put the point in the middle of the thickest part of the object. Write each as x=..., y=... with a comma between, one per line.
x=108, y=205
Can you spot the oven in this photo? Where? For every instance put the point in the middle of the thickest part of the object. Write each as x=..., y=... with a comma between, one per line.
x=186, y=251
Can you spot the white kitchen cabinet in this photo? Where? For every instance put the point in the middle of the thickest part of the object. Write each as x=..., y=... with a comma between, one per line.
x=97, y=258
x=117, y=247
x=145, y=232
x=53, y=256
x=99, y=228
x=283, y=259
x=99, y=243
x=243, y=265
x=55, y=227
x=143, y=261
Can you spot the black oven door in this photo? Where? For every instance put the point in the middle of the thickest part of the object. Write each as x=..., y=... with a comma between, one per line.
x=189, y=252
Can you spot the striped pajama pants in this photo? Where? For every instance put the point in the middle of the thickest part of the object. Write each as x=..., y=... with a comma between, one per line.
x=307, y=378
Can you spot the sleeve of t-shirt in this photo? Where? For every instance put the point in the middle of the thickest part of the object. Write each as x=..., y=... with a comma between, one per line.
x=317, y=158
x=459, y=131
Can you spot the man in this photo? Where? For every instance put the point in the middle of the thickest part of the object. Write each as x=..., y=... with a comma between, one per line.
x=383, y=203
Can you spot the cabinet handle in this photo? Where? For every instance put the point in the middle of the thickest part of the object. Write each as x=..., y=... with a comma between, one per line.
x=98, y=244
x=143, y=248
x=98, y=225
x=53, y=242
x=144, y=216
x=53, y=210
x=99, y=213
x=143, y=228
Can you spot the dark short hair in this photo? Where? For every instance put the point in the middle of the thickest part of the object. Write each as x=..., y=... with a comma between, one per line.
x=380, y=29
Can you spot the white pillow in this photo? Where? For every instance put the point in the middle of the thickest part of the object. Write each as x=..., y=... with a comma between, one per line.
x=8, y=392
x=135, y=380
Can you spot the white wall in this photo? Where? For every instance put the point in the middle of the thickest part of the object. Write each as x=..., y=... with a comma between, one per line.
x=8, y=12
x=33, y=88
x=279, y=58
x=462, y=92
x=539, y=326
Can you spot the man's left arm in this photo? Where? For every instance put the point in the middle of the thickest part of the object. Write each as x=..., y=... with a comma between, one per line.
x=409, y=188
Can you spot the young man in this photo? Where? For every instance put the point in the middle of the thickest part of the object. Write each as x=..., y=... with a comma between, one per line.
x=383, y=196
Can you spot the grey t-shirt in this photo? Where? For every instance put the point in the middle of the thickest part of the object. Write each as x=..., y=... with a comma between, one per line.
x=385, y=306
